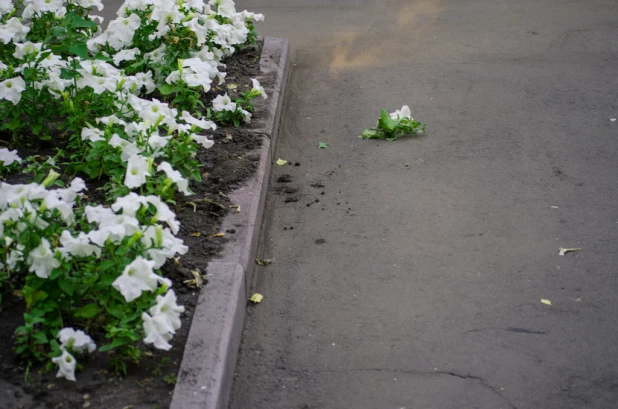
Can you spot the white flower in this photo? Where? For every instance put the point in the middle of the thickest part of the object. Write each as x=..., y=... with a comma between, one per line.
x=24, y=49
x=258, y=89
x=8, y=157
x=6, y=6
x=98, y=213
x=116, y=228
x=92, y=134
x=153, y=110
x=120, y=32
x=404, y=112
x=42, y=260
x=13, y=30
x=89, y=3
x=176, y=177
x=66, y=365
x=129, y=149
x=168, y=311
x=157, y=55
x=200, y=123
x=223, y=103
x=202, y=140
x=77, y=341
x=12, y=88
x=156, y=333
x=136, y=277
x=137, y=170
x=53, y=201
x=156, y=141
x=247, y=115
x=77, y=246
x=125, y=55
x=164, y=214
x=163, y=244
x=78, y=184
x=129, y=204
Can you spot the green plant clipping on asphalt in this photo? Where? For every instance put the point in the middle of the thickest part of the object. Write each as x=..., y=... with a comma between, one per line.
x=394, y=126
x=322, y=145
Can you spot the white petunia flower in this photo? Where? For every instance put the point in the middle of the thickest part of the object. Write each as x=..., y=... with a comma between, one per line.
x=92, y=134
x=77, y=341
x=42, y=260
x=202, y=140
x=163, y=245
x=53, y=201
x=98, y=214
x=176, y=177
x=8, y=157
x=77, y=246
x=129, y=149
x=137, y=277
x=157, y=55
x=11, y=89
x=137, y=170
x=404, y=112
x=200, y=123
x=258, y=89
x=6, y=6
x=125, y=55
x=168, y=311
x=156, y=333
x=89, y=3
x=66, y=365
x=24, y=49
x=223, y=103
x=164, y=214
x=116, y=228
x=129, y=204
x=13, y=30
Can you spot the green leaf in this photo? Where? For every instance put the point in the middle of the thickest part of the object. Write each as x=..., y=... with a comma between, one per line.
x=166, y=89
x=80, y=50
x=87, y=311
x=386, y=122
x=67, y=285
x=115, y=344
x=40, y=338
x=33, y=297
x=78, y=22
x=322, y=145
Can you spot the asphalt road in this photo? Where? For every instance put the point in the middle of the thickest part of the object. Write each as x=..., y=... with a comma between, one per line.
x=420, y=285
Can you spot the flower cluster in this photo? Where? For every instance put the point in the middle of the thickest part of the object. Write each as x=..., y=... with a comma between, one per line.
x=394, y=125
x=131, y=105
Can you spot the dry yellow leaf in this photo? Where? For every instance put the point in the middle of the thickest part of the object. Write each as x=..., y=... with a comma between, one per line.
x=562, y=251
x=257, y=298
x=196, y=234
x=262, y=263
x=281, y=162
x=544, y=301
x=218, y=235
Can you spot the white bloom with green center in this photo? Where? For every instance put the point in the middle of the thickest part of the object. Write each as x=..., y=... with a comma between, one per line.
x=154, y=110
x=156, y=334
x=157, y=55
x=258, y=89
x=168, y=311
x=11, y=89
x=138, y=277
x=42, y=260
x=176, y=177
x=96, y=214
x=88, y=3
x=79, y=246
x=6, y=6
x=120, y=32
x=13, y=30
x=116, y=228
x=129, y=149
x=92, y=134
x=66, y=365
x=8, y=157
x=162, y=244
x=53, y=201
x=404, y=112
x=164, y=214
x=137, y=171
x=223, y=103
x=24, y=49
x=76, y=340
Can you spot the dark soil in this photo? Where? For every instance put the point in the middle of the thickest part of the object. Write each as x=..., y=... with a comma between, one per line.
x=149, y=384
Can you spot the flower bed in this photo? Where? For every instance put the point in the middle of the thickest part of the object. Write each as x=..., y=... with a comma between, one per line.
x=124, y=112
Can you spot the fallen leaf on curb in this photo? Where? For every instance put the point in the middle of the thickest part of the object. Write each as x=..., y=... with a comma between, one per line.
x=554, y=207
x=562, y=251
x=612, y=119
x=237, y=207
x=281, y=162
x=218, y=235
x=196, y=234
x=198, y=279
x=262, y=263
x=544, y=301
x=257, y=298
x=322, y=145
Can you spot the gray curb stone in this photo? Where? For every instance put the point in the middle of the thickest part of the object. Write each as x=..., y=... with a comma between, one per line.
x=207, y=368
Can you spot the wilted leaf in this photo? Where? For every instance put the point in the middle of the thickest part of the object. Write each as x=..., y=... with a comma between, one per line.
x=196, y=234
x=262, y=263
x=257, y=298
x=322, y=145
x=562, y=251
x=218, y=235
x=281, y=162
x=554, y=207
x=544, y=301
x=237, y=207
x=232, y=87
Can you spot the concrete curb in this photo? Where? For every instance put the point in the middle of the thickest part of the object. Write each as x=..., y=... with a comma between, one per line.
x=207, y=368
